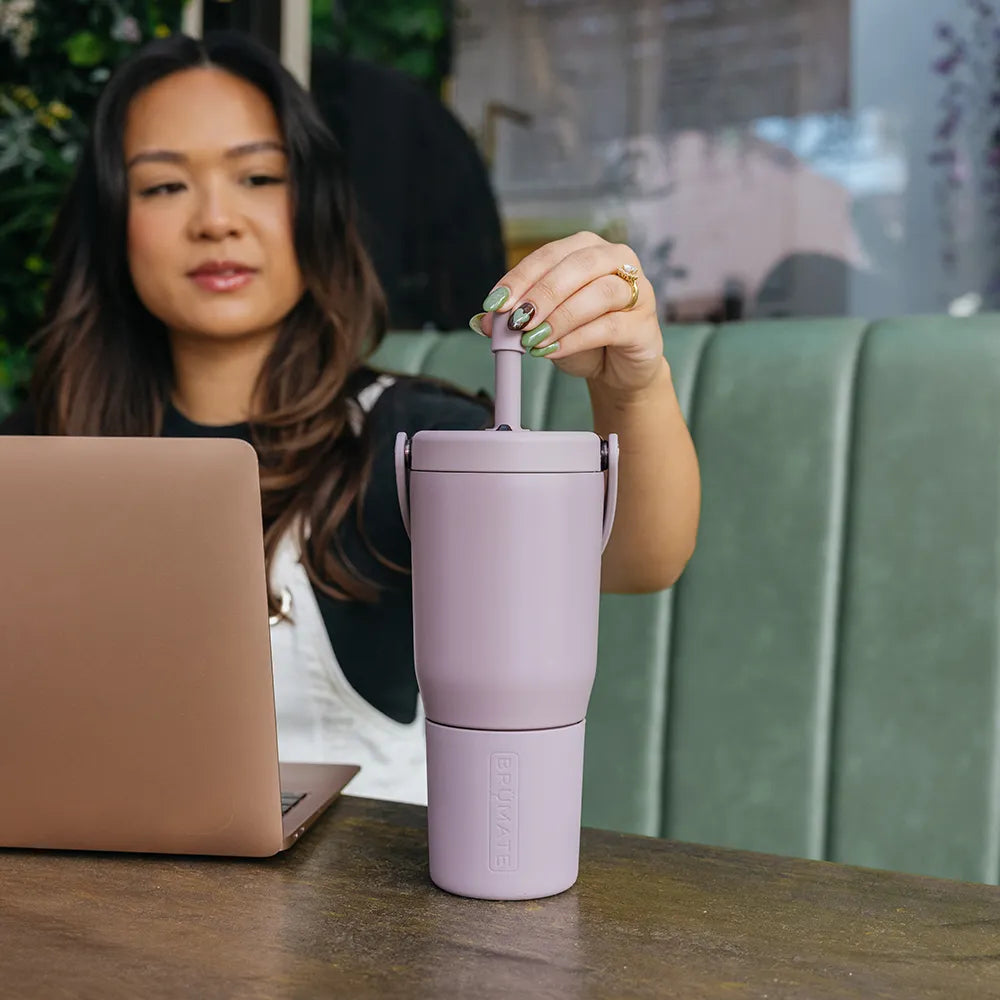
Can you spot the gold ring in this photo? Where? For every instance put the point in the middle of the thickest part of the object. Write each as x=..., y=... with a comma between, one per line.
x=629, y=273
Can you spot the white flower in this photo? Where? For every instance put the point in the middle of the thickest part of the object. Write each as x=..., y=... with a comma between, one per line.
x=17, y=24
x=127, y=30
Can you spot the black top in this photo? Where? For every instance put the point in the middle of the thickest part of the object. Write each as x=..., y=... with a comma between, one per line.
x=373, y=642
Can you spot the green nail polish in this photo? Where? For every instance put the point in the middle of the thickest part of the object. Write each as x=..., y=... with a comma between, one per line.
x=543, y=352
x=532, y=338
x=496, y=298
x=476, y=323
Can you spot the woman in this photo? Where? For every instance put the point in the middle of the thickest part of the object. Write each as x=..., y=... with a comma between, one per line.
x=209, y=281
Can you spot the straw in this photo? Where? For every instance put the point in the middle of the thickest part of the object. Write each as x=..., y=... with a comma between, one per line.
x=507, y=351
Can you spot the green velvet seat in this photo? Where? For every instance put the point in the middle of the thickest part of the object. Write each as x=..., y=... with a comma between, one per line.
x=824, y=679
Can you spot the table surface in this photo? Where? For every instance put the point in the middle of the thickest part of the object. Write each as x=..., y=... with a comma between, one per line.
x=349, y=912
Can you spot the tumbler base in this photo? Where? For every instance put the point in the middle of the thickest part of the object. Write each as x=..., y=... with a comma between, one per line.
x=503, y=814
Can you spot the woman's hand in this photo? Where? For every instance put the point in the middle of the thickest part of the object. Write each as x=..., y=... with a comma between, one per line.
x=570, y=305
x=573, y=308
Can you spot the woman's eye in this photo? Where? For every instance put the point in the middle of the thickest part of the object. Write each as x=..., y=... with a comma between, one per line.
x=259, y=180
x=169, y=188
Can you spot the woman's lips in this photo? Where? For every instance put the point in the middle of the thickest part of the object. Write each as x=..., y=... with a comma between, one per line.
x=223, y=280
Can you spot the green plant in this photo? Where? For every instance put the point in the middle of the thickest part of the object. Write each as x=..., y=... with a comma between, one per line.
x=60, y=53
x=15, y=368
x=409, y=35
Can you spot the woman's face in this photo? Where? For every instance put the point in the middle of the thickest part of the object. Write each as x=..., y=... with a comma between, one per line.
x=210, y=245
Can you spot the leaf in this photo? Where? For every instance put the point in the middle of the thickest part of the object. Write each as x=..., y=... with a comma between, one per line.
x=417, y=62
x=15, y=370
x=85, y=49
x=414, y=21
x=25, y=221
x=35, y=193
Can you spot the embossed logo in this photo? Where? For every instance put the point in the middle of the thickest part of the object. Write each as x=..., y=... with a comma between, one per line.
x=503, y=812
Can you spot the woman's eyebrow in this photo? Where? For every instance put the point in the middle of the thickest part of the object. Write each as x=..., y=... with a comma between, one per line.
x=170, y=156
x=263, y=145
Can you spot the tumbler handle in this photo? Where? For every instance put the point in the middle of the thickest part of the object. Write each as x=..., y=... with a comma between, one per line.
x=402, y=455
x=611, y=496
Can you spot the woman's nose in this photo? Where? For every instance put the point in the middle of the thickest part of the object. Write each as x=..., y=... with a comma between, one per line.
x=215, y=216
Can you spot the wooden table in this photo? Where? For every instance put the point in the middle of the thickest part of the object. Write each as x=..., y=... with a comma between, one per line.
x=349, y=912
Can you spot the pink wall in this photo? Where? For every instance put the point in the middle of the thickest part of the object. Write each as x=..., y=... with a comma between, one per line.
x=738, y=208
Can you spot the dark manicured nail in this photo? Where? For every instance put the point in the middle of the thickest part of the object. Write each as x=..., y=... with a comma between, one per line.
x=521, y=316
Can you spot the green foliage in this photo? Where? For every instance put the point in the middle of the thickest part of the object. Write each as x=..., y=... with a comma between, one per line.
x=409, y=35
x=60, y=53
x=15, y=369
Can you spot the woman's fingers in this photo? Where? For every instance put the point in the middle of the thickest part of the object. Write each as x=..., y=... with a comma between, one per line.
x=591, y=265
x=563, y=286
x=605, y=295
x=511, y=289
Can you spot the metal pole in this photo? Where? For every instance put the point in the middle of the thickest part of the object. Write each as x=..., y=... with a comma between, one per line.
x=192, y=19
x=295, y=39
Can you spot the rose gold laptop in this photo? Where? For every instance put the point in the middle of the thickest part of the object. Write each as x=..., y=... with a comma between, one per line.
x=136, y=697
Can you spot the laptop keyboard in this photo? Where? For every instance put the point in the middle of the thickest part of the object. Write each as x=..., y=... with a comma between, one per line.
x=289, y=799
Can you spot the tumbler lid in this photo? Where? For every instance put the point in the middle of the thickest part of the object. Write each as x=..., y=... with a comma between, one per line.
x=506, y=451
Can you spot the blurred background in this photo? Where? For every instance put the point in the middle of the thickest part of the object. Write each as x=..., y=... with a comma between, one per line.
x=763, y=157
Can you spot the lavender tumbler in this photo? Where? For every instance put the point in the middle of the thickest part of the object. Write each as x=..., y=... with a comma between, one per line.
x=507, y=528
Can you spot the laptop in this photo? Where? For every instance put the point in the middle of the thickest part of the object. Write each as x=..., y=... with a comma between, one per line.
x=136, y=696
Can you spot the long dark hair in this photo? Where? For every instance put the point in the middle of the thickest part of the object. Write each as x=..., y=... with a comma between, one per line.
x=103, y=364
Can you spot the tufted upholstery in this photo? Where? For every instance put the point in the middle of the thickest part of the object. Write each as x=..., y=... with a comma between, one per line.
x=824, y=679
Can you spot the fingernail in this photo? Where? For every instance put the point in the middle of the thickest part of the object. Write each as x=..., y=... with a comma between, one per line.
x=496, y=298
x=534, y=337
x=521, y=316
x=476, y=323
x=543, y=352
